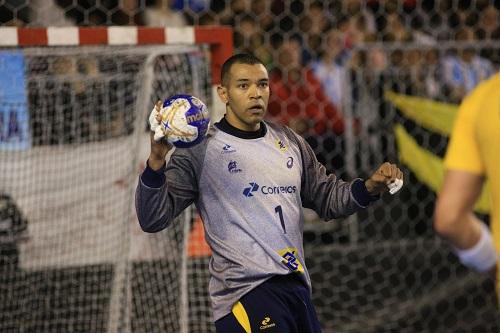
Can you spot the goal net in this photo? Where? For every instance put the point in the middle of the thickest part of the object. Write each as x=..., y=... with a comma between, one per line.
x=73, y=141
x=385, y=269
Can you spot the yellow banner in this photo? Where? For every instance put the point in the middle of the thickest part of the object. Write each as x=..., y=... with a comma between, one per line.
x=435, y=116
x=427, y=167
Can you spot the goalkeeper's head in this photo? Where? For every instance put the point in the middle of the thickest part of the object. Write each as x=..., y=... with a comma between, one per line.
x=245, y=91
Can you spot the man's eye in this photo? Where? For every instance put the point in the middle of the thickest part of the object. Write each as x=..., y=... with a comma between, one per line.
x=243, y=86
x=263, y=84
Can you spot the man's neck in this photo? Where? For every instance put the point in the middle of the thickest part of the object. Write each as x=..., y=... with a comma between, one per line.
x=225, y=126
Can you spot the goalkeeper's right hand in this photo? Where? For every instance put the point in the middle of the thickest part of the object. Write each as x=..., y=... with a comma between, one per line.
x=159, y=144
x=155, y=125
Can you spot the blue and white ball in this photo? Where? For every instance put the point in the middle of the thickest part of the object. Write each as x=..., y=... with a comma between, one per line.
x=184, y=120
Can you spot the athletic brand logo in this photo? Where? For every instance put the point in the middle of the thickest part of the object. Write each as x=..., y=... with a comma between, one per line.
x=197, y=117
x=269, y=190
x=247, y=192
x=289, y=162
x=266, y=323
x=232, y=167
x=281, y=146
x=227, y=149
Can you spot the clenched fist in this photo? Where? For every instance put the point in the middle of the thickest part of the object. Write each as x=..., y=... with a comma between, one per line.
x=387, y=177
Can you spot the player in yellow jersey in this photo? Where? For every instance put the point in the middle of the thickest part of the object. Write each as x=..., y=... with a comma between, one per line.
x=473, y=156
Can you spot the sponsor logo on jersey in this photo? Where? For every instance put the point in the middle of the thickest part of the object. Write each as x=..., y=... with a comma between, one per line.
x=226, y=149
x=266, y=323
x=289, y=162
x=280, y=144
x=232, y=167
x=290, y=259
x=247, y=192
x=269, y=189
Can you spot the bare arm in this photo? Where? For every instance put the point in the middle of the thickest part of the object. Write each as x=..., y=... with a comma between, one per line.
x=454, y=216
x=455, y=220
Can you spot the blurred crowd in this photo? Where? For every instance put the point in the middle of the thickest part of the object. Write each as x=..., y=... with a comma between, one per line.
x=324, y=57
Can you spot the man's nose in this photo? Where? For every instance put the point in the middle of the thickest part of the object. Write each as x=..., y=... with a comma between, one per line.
x=254, y=91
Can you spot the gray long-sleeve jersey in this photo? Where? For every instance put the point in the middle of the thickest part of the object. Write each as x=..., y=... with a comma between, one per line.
x=250, y=194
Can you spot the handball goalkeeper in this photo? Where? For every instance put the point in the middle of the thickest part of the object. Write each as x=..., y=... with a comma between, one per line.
x=249, y=180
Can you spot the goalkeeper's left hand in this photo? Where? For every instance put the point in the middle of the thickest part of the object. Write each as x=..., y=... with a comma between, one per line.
x=387, y=177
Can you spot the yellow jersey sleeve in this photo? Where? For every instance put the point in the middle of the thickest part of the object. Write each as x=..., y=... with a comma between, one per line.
x=463, y=150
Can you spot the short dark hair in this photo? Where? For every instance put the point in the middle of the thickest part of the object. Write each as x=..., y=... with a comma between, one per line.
x=240, y=58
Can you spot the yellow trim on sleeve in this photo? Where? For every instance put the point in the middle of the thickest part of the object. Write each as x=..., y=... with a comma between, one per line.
x=242, y=317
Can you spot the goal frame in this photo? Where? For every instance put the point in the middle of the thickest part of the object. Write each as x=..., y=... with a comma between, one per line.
x=218, y=38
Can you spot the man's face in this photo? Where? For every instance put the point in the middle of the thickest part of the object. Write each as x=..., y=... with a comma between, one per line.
x=246, y=94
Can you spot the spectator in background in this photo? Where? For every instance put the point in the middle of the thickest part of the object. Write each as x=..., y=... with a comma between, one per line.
x=128, y=13
x=161, y=14
x=488, y=29
x=463, y=14
x=395, y=26
x=465, y=69
x=437, y=21
x=296, y=93
x=61, y=113
x=431, y=74
x=489, y=26
x=245, y=28
x=70, y=106
x=298, y=100
x=236, y=9
x=48, y=13
x=89, y=100
x=356, y=21
x=109, y=12
x=414, y=63
x=207, y=19
x=397, y=76
x=312, y=25
x=356, y=9
x=330, y=69
x=195, y=6
x=365, y=71
x=315, y=20
x=248, y=37
x=262, y=12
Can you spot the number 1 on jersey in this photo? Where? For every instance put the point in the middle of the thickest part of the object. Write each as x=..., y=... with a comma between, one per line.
x=280, y=214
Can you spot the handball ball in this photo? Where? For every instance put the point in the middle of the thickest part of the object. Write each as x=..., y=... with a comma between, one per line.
x=186, y=120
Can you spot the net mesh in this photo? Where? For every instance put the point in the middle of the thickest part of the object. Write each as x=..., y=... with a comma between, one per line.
x=390, y=63
x=396, y=275
x=73, y=257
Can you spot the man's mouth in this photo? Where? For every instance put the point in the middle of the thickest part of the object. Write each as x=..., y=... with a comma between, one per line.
x=256, y=108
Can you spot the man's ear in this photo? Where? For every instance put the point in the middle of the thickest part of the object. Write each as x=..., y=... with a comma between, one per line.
x=222, y=92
